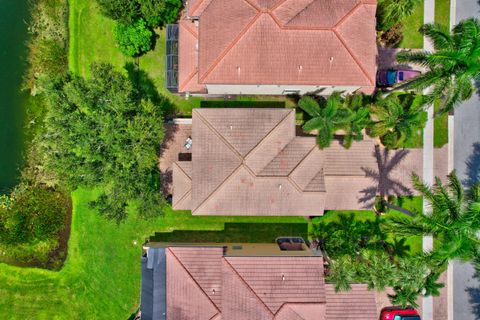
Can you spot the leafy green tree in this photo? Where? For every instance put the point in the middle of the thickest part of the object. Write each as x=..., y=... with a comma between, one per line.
x=453, y=219
x=452, y=67
x=133, y=39
x=160, y=12
x=327, y=117
x=396, y=118
x=392, y=12
x=102, y=134
x=359, y=121
x=123, y=11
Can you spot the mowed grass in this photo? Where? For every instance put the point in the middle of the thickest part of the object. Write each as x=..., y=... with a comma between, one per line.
x=442, y=12
x=92, y=40
x=440, y=128
x=412, y=38
x=101, y=277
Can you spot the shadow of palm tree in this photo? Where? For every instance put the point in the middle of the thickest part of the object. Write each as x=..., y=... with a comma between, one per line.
x=385, y=185
x=473, y=166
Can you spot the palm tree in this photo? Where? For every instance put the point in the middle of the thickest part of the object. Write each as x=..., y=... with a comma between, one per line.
x=391, y=12
x=453, y=65
x=453, y=219
x=327, y=118
x=360, y=119
x=397, y=118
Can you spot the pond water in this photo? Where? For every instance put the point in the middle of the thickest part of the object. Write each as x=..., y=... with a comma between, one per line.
x=13, y=37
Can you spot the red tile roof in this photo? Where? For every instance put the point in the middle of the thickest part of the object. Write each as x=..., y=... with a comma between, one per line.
x=302, y=42
x=204, y=284
x=250, y=162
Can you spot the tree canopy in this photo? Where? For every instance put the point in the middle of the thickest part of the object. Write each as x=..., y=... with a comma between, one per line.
x=452, y=67
x=154, y=12
x=397, y=117
x=326, y=117
x=100, y=132
x=133, y=39
x=453, y=220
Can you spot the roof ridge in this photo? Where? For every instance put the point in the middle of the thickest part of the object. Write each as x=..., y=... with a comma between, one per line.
x=228, y=145
x=231, y=45
x=303, y=10
x=266, y=136
x=346, y=16
x=248, y=286
x=187, y=27
x=365, y=73
x=225, y=141
x=320, y=171
x=196, y=6
x=189, y=78
x=279, y=4
x=218, y=187
x=191, y=276
x=179, y=202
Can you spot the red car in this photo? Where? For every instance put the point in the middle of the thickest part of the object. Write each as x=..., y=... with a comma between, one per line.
x=397, y=313
x=389, y=78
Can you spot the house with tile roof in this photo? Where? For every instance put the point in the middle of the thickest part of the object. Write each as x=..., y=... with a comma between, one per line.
x=274, y=47
x=243, y=282
x=251, y=162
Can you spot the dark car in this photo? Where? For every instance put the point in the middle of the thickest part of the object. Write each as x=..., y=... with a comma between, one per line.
x=389, y=78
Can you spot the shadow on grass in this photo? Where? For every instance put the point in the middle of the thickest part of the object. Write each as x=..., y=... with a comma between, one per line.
x=146, y=89
x=237, y=233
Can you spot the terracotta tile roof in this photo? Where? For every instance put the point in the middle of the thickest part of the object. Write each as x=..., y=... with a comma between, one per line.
x=182, y=186
x=185, y=298
x=278, y=280
x=250, y=162
x=255, y=287
x=304, y=42
x=242, y=161
x=205, y=266
x=341, y=304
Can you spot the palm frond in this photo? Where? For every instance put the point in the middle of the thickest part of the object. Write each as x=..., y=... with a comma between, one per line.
x=310, y=106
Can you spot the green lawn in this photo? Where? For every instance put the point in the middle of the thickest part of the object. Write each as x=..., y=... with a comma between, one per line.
x=440, y=127
x=101, y=277
x=235, y=233
x=412, y=38
x=442, y=12
x=92, y=40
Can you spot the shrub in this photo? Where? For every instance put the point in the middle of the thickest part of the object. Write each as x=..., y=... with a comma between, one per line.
x=36, y=214
x=133, y=39
x=47, y=45
x=123, y=11
x=160, y=12
x=392, y=37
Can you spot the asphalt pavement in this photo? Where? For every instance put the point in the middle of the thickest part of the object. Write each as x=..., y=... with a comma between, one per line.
x=466, y=287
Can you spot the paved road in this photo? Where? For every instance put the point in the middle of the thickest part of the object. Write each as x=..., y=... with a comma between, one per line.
x=466, y=288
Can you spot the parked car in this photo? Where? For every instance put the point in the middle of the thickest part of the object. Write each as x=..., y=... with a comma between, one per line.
x=389, y=78
x=397, y=313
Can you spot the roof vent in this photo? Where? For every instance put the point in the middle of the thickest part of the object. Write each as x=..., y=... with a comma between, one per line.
x=231, y=127
x=331, y=59
x=280, y=187
x=283, y=277
x=213, y=291
x=238, y=69
x=300, y=67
